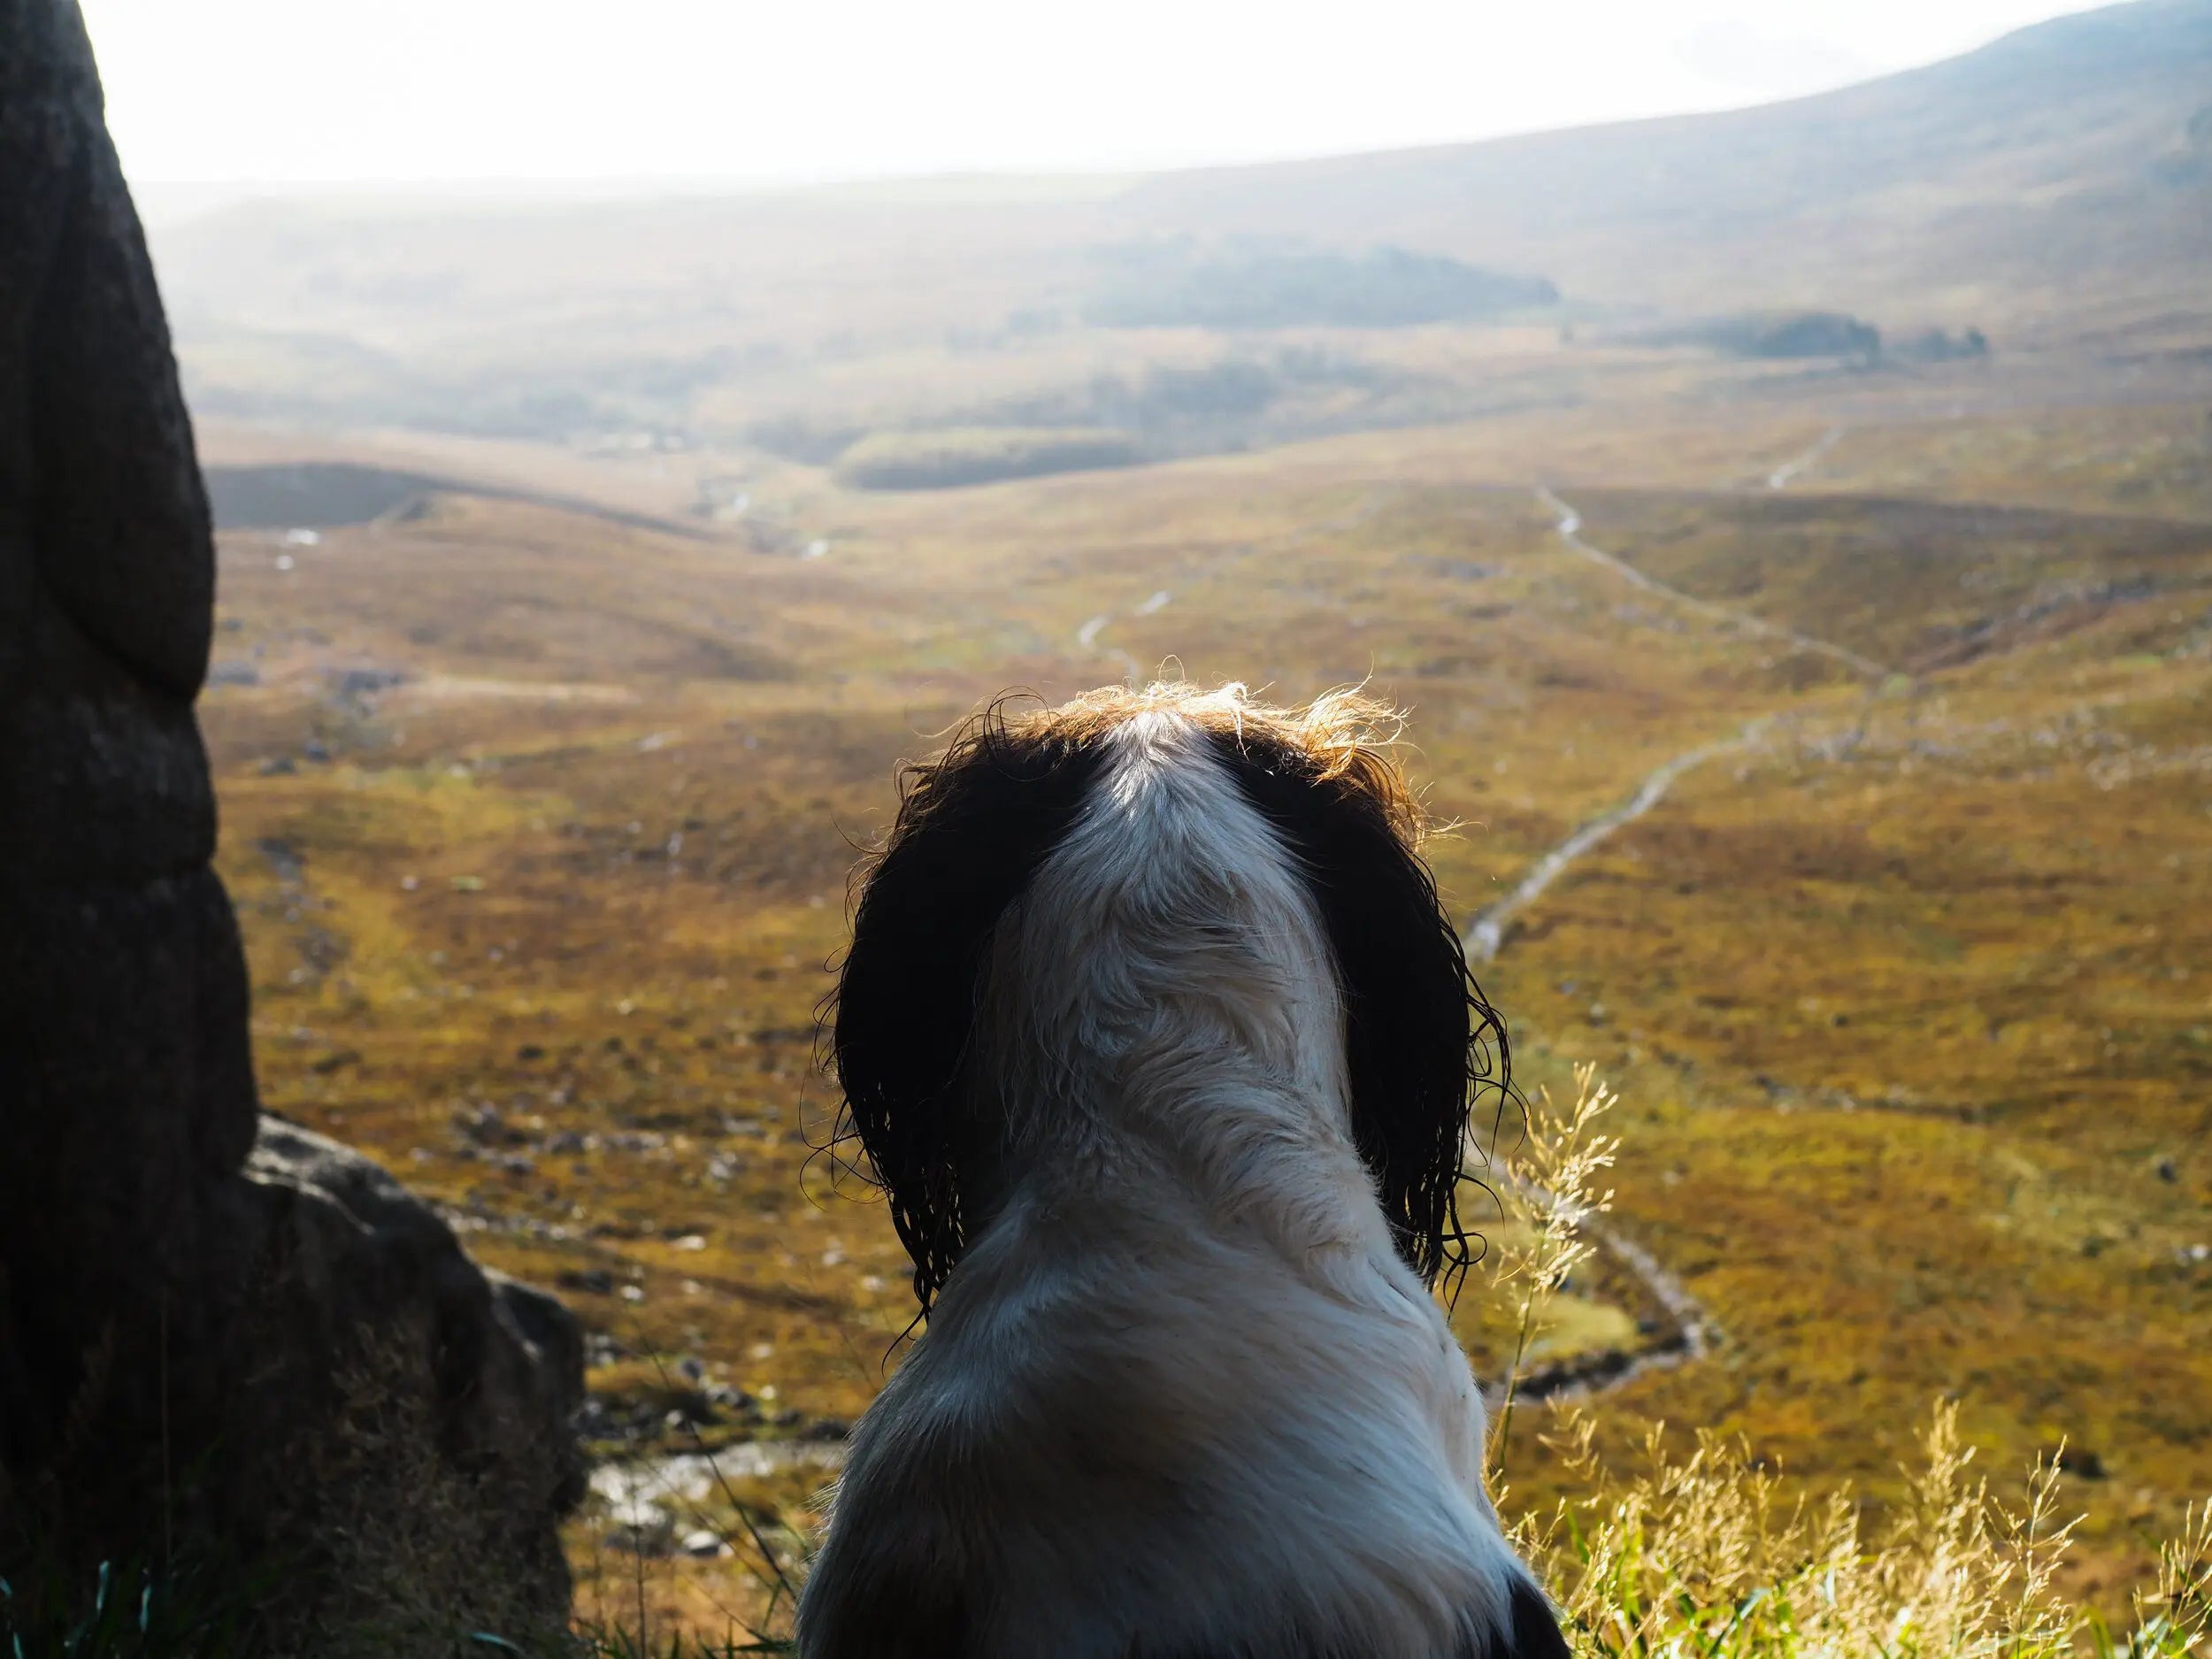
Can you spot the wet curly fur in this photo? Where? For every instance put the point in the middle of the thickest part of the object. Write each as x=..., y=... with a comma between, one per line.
x=1161, y=1048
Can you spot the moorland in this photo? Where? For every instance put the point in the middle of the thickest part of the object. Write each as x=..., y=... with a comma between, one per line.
x=576, y=613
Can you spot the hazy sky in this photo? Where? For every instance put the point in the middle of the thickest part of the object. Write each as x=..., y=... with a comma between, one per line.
x=327, y=90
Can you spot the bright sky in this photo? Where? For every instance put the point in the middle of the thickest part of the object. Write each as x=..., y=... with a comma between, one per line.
x=275, y=91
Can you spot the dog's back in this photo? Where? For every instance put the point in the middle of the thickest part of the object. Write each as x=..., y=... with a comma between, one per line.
x=1184, y=1394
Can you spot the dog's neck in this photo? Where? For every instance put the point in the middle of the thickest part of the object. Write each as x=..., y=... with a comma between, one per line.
x=1165, y=994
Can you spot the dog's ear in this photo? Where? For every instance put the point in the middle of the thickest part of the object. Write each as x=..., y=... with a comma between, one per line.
x=1419, y=1036
x=1536, y=1633
x=973, y=829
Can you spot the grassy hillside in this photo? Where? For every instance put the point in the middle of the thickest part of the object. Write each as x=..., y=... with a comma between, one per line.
x=539, y=826
x=1873, y=685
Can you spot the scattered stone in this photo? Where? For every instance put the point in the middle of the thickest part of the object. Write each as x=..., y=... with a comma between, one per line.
x=648, y=1538
x=691, y=1409
x=356, y=683
x=2074, y=1460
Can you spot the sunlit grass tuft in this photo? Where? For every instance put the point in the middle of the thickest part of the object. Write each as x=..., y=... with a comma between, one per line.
x=1715, y=1554
x=1712, y=1555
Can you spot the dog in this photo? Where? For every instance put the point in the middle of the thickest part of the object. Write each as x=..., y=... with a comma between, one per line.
x=1157, y=1039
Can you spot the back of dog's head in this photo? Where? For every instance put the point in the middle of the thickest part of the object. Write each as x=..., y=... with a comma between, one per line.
x=975, y=824
x=1153, y=1017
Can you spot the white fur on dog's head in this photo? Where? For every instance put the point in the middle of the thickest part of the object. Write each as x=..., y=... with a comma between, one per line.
x=978, y=822
x=1161, y=1046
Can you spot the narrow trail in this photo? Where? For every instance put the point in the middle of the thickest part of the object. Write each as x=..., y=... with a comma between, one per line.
x=1484, y=935
x=1569, y=531
x=1779, y=478
x=1692, y=1333
x=1485, y=932
x=1087, y=636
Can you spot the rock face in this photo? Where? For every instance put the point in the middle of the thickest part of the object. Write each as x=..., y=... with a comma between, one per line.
x=221, y=1338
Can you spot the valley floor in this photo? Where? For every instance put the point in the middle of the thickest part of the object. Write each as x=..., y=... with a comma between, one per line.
x=1896, y=940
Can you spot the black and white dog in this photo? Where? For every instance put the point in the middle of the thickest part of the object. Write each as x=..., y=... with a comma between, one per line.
x=1161, y=1046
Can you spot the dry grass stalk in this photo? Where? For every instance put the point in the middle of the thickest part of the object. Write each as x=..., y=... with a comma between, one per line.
x=1715, y=1555
x=1552, y=1178
x=1705, y=1554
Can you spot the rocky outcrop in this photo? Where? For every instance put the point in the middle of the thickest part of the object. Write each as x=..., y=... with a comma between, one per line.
x=212, y=1346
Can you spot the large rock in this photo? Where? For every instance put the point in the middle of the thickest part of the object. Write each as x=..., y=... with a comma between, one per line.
x=236, y=1362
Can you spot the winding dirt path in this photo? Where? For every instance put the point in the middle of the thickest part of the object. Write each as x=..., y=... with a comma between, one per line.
x=1691, y=1335
x=1485, y=933
x=1087, y=636
x=1779, y=478
x=1569, y=531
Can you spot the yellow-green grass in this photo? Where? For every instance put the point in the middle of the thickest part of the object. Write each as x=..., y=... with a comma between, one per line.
x=1907, y=995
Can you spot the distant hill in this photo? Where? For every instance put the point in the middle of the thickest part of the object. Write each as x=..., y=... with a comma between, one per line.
x=2078, y=151
x=1388, y=288
x=321, y=494
x=2050, y=193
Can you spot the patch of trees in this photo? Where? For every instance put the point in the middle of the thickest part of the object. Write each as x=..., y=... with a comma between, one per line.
x=320, y=493
x=795, y=438
x=1811, y=335
x=1384, y=287
x=1935, y=345
x=1797, y=335
x=2190, y=159
x=1169, y=402
x=978, y=455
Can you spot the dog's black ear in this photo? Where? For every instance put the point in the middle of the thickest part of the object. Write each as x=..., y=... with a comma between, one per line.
x=899, y=1605
x=972, y=830
x=1536, y=1633
x=1419, y=1034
